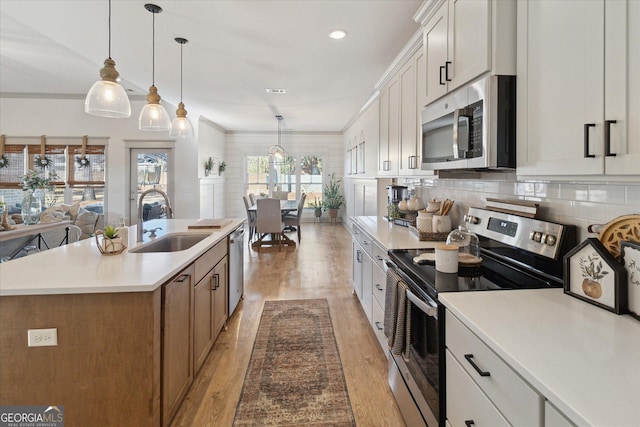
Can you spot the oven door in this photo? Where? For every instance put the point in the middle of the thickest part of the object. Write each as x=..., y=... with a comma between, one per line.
x=421, y=366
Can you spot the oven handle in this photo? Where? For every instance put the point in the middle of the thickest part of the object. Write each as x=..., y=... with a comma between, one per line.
x=430, y=307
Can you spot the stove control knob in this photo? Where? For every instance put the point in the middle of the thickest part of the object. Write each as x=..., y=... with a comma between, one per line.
x=549, y=239
x=536, y=236
x=471, y=219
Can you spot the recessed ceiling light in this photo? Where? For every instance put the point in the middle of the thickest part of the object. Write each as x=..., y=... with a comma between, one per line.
x=338, y=34
x=276, y=90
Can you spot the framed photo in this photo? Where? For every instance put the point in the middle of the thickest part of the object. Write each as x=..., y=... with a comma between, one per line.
x=630, y=254
x=593, y=275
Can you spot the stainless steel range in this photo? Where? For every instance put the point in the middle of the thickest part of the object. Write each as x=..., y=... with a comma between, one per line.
x=517, y=253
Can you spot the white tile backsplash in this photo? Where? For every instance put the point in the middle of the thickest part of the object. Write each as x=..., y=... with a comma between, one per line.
x=580, y=204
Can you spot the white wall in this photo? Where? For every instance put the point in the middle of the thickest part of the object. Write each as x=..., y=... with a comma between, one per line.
x=66, y=117
x=239, y=145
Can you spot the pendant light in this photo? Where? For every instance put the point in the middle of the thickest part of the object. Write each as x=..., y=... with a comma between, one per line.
x=153, y=117
x=181, y=126
x=107, y=98
x=277, y=154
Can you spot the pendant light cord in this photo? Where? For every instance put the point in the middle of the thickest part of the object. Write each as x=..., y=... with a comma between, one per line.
x=153, y=51
x=181, y=45
x=109, y=29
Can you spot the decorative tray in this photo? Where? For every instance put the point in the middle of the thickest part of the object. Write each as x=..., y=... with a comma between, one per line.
x=431, y=237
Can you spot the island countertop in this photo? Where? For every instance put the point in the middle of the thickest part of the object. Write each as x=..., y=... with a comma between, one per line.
x=80, y=268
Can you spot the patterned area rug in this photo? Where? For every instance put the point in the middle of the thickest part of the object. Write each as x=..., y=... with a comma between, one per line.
x=295, y=375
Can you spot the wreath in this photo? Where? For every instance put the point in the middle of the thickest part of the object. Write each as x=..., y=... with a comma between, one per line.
x=4, y=161
x=42, y=161
x=82, y=162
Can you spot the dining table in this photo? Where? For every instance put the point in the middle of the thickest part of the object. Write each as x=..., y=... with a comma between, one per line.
x=286, y=206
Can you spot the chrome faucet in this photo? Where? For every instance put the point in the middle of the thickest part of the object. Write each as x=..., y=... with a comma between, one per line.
x=168, y=212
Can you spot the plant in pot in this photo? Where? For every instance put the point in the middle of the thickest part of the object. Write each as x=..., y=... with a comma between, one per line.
x=111, y=243
x=208, y=166
x=317, y=207
x=222, y=167
x=333, y=199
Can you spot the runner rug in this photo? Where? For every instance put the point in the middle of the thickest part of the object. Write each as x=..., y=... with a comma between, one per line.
x=295, y=376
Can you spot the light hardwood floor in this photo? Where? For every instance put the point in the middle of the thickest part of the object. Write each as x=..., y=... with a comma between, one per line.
x=318, y=268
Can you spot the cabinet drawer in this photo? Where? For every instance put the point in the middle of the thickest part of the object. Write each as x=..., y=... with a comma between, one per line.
x=379, y=255
x=209, y=259
x=466, y=403
x=517, y=401
x=554, y=418
x=379, y=288
x=377, y=322
x=363, y=239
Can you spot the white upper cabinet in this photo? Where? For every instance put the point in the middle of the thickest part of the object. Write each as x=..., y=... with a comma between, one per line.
x=462, y=39
x=388, y=164
x=408, y=155
x=578, y=66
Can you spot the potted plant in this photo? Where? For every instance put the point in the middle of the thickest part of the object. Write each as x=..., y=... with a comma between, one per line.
x=111, y=243
x=222, y=167
x=208, y=166
x=317, y=207
x=31, y=182
x=333, y=199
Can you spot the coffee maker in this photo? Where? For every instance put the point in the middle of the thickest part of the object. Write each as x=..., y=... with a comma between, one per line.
x=396, y=194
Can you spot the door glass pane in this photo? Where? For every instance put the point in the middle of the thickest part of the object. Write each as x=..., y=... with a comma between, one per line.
x=311, y=178
x=150, y=170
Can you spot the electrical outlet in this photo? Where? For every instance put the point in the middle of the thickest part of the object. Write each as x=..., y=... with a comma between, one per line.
x=42, y=337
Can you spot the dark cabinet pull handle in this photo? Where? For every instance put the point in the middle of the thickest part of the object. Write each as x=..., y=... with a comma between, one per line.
x=379, y=258
x=182, y=278
x=478, y=370
x=607, y=138
x=469, y=423
x=358, y=256
x=586, y=139
x=378, y=326
x=441, y=82
x=216, y=281
x=378, y=287
x=446, y=71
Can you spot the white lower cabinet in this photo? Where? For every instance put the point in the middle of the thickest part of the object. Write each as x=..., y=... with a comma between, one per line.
x=515, y=399
x=467, y=405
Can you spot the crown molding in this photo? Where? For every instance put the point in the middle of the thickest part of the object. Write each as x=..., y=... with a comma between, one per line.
x=409, y=49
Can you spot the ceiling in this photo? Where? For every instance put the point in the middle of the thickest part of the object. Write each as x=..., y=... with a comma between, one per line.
x=236, y=49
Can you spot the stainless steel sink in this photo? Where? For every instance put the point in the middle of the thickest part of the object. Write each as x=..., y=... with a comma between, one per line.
x=171, y=243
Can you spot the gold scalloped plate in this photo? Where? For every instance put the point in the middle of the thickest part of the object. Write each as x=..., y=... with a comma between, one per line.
x=626, y=227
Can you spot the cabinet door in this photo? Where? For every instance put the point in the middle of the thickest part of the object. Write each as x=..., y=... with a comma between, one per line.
x=221, y=288
x=469, y=40
x=394, y=126
x=383, y=138
x=203, y=335
x=358, y=254
x=177, y=359
x=622, y=86
x=367, y=285
x=560, y=87
x=408, y=160
x=435, y=35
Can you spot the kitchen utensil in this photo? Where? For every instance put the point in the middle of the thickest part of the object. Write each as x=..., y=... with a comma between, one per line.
x=626, y=227
x=446, y=207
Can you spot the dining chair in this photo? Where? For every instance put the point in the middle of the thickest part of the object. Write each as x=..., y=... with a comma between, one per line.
x=269, y=220
x=294, y=220
x=251, y=218
x=252, y=198
x=282, y=195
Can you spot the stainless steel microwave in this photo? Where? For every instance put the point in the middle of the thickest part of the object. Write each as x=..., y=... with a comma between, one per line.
x=473, y=127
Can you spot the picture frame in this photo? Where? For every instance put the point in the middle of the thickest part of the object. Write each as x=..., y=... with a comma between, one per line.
x=593, y=275
x=630, y=256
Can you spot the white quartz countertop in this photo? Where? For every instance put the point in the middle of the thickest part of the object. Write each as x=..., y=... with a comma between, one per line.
x=583, y=359
x=79, y=267
x=390, y=235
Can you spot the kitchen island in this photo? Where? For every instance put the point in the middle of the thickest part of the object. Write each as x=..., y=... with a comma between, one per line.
x=115, y=318
x=581, y=359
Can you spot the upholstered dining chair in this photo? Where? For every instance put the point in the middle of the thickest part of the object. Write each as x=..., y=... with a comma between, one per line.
x=251, y=218
x=269, y=220
x=294, y=219
x=252, y=198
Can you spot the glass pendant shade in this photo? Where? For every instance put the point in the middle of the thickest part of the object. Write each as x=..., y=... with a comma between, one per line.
x=154, y=116
x=181, y=127
x=107, y=99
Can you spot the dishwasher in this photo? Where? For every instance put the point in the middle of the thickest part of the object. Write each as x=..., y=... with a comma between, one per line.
x=236, y=268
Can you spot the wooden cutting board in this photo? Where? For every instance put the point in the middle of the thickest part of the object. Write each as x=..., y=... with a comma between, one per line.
x=210, y=223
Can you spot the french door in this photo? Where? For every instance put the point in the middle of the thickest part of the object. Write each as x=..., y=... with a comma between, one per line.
x=150, y=168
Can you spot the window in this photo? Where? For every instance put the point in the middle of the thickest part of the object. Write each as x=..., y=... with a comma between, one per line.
x=311, y=178
x=258, y=175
